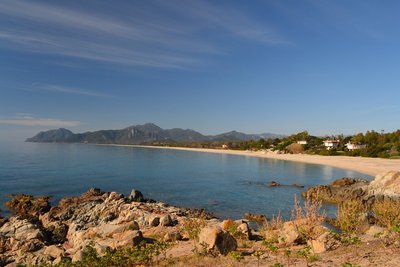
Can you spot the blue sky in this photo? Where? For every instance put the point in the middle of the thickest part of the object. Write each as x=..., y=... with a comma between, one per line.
x=213, y=66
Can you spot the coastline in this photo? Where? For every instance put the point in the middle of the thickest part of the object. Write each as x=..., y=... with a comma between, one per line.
x=369, y=166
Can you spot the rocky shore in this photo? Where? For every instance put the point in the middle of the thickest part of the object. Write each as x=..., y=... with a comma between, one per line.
x=385, y=186
x=109, y=229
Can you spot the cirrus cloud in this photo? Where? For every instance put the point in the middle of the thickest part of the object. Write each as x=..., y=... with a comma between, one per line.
x=26, y=119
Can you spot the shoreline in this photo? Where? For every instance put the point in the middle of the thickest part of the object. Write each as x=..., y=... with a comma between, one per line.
x=368, y=166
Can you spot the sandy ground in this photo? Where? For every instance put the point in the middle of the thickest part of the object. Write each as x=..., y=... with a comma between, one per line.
x=370, y=166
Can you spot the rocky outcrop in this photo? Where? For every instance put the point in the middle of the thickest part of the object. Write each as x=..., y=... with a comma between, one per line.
x=385, y=186
x=96, y=218
x=340, y=190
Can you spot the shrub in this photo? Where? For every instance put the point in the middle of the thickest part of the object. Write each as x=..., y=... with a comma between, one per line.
x=349, y=217
x=387, y=213
x=308, y=216
x=193, y=226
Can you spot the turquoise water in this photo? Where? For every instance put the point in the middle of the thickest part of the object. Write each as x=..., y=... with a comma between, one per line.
x=216, y=182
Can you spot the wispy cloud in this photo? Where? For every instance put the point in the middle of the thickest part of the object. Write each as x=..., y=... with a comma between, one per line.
x=24, y=119
x=230, y=20
x=71, y=90
x=141, y=34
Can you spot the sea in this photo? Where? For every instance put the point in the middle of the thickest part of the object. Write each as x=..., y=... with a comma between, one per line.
x=227, y=185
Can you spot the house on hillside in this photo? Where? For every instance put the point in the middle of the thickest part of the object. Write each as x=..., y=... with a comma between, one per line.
x=355, y=146
x=302, y=142
x=330, y=144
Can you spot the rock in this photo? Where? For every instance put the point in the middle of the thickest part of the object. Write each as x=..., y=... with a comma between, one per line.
x=258, y=218
x=137, y=237
x=340, y=190
x=317, y=246
x=53, y=251
x=134, y=226
x=172, y=236
x=289, y=234
x=77, y=256
x=154, y=221
x=321, y=244
x=27, y=231
x=114, y=196
x=217, y=240
x=136, y=196
x=105, y=230
x=243, y=228
x=273, y=184
x=386, y=184
x=375, y=231
x=31, y=245
x=166, y=220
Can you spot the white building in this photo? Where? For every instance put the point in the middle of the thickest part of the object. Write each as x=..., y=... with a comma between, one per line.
x=354, y=146
x=330, y=144
x=302, y=142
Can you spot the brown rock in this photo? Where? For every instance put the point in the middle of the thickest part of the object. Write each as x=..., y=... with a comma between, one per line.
x=172, y=236
x=244, y=230
x=53, y=251
x=217, y=240
x=154, y=221
x=289, y=234
x=166, y=220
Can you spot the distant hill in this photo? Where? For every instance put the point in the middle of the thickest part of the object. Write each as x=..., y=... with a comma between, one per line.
x=141, y=134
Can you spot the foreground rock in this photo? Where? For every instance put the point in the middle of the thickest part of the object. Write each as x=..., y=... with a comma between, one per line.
x=385, y=186
x=217, y=240
x=100, y=219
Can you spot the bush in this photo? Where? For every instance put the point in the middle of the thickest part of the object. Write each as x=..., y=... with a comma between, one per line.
x=308, y=217
x=387, y=213
x=193, y=226
x=349, y=217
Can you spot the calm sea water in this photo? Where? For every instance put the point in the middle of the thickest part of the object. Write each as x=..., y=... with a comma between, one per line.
x=216, y=182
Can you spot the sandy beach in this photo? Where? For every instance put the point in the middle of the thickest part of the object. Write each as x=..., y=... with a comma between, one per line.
x=370, y=166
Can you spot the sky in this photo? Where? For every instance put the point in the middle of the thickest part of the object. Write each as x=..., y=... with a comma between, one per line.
x=329, y=67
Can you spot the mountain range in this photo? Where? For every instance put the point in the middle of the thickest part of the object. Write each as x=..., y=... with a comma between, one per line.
x=141, y=134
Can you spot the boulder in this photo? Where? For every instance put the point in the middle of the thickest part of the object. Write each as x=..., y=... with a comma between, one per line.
x=289, y=234
x=244, y=229
x=217, y=240
x=153, y=221
x=53, y=251
x=166, y=220
x=114, y=196
x=375, y=231
x=172, y=236
x=258, y=218
x=26, y=231
x=386, y=184
x=321, y=244
x=136, y=196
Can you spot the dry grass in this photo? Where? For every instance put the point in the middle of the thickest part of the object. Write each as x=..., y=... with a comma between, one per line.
x=349, y=218
x=192, y=227
x=308, y=217
x=269, y=228
x=387, y=213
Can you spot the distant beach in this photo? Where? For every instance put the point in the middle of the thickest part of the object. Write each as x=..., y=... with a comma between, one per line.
x=370, y=166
